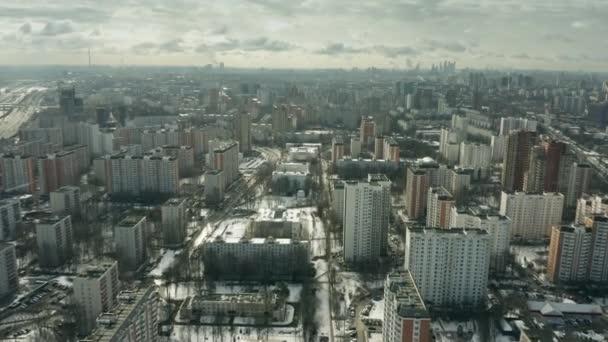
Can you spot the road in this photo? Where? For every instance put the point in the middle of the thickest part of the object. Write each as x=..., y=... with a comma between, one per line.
x=28, y=100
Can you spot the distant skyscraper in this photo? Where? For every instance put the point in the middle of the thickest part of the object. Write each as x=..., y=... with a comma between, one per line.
x=242, y=130
x=517, y=159
x=379, y=147
x=224, y=156
x=416, y=185
x=391, y=150
x=367, y=132
x=578, y=183
x=367, y=208
x=439, y=208
x=355, y=147
x=337, y=149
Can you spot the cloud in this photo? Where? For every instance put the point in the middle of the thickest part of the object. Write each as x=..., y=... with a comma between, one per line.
x=395, y=51
x=56, y=28
x=174, y=45
x=521, y=56
x=74, y=12
x=446, y=46
x=26, y=28
x=144, y=48
x=579, y=24
x=339, y=49
x=265, y=44
x=556, y=37
x=220, y=31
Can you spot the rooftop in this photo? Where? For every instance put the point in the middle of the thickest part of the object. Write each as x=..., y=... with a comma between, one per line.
x=409, y=302
x=131, y=221
x=95, y=270
x=175, y=201
x=278, y=214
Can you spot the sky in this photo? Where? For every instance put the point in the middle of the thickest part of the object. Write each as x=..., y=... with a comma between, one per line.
x=542, y=34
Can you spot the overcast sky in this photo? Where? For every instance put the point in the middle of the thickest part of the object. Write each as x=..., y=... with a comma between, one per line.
x=549, y=34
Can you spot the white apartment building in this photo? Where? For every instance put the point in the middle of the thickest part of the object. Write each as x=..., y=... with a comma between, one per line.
x=184, y=156
x=10, y=216
x=497, y=226
x=130, y=241
x=17, y=173
x=54, y=238
x=66, y=200
x=174, y=222
x=135, y=175
x=406, y=318
x=96, y=289
x=9, y=280
x=510, y=124
x=134, y=319
x=439, y=208
x=589, y=205
x=532, y=214
x=355, y=147
x=450, y=267
x=338, y=200
x=367, y=208
x=477, y=157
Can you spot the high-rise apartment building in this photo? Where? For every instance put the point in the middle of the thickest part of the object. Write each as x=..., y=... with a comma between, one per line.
x=96, y=290
x=242, y=130
x=532, y=214
x=54, y=238
x=569, y=253
x=391, y=150
x=355, y=147
x=379, y=147
x=598, y=268
x=57, y=170
x=588, y=206
x=9, y=280
x=66, y=200
x=184, y=156
x=214, y=186
x=338, y=200
x=10, y=217
x=416, y=186
x=578, y=182
x=224, y=156
x=130, y=241
x=133, y=176
x=498, y=227
x=450, y=266
x=517, y=159
x=337, y=149
x=367, y=208
x=367, y=132
x=174, y=222
x=280, y=120
x=134, y=319
x=439, y=208
x=406, y=318
x=510, y=124
x=477, y=157
x=17, y=173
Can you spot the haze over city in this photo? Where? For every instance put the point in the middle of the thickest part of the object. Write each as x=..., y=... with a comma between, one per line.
x=561, y=34
x=304, y=171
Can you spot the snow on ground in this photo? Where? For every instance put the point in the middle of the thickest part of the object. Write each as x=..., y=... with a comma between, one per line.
x=322, y=313
x=184, y=290
x=194, y=333
x=447, y=331
x=271, y=202
x=231, y=228
x=377, y=310
x=205, y=232
x=350, y=285
x=64, y=280
x=530, y=254
x=166, y=261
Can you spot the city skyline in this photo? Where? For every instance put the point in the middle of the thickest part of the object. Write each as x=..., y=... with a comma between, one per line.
x=309, y=34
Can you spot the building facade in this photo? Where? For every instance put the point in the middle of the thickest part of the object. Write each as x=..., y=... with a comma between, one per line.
x=532, y=214
x=450, y=267
x=367, y=208
x=9, y=279
x=10, y=217
x=439, y=208
x=54, y=239
x=130, y=241
x=174, y=222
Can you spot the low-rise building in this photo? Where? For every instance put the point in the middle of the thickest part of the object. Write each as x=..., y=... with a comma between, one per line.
x=257, y=258
x=253, y=305
x=279, y=223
